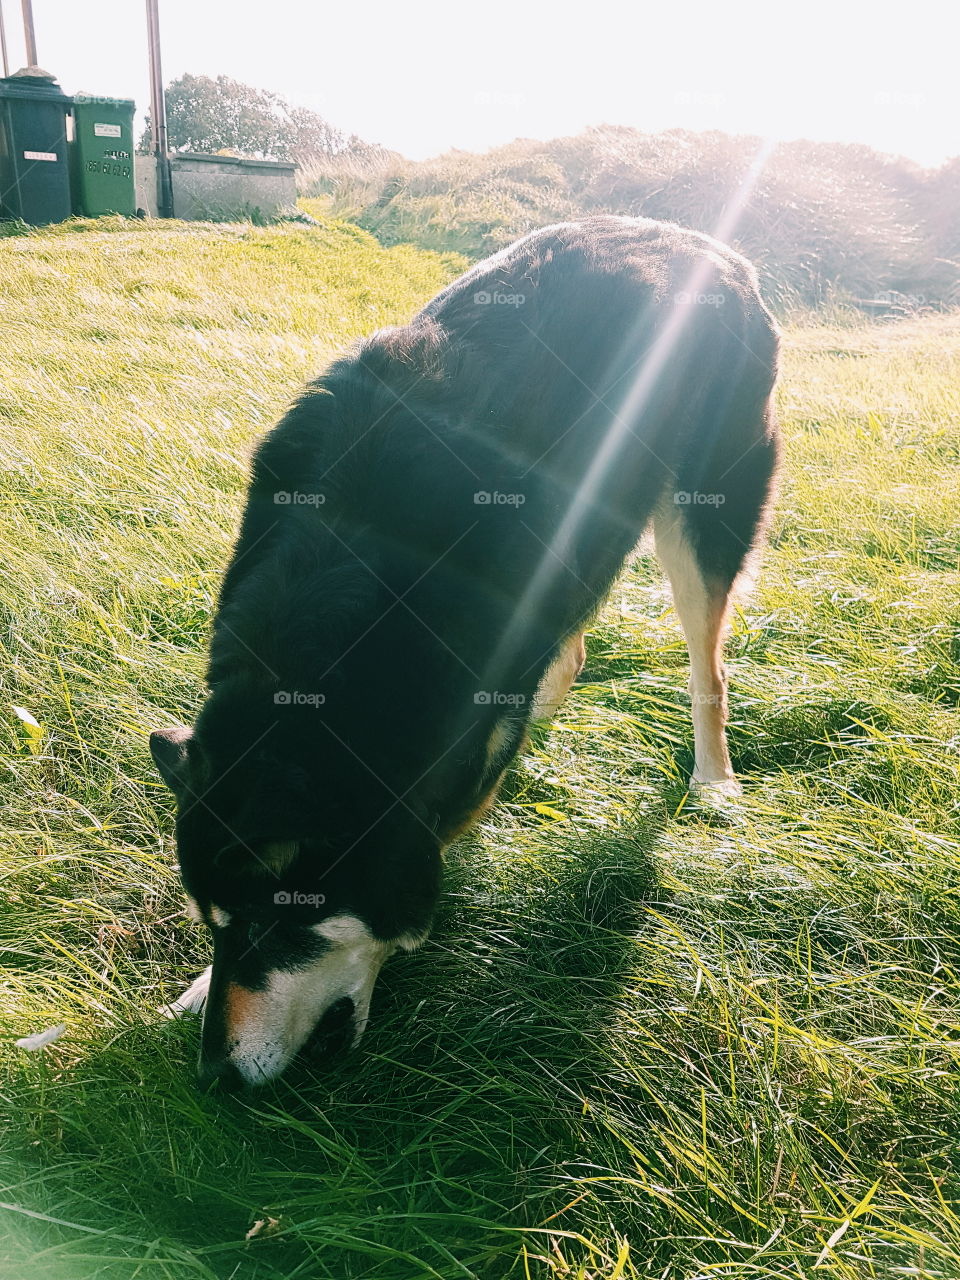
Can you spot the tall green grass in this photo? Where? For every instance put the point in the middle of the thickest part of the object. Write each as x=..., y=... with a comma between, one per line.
x=647, y=1039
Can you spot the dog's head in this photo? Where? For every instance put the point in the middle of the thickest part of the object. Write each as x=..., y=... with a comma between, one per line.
x=307, y=882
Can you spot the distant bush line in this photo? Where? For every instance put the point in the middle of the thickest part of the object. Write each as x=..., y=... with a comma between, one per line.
x=825, y=223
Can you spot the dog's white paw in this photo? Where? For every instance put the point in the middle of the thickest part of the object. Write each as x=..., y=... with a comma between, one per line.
x=192, y=1000
x=721, y=789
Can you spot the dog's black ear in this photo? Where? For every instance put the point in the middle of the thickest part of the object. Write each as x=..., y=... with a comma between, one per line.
x=169, y=750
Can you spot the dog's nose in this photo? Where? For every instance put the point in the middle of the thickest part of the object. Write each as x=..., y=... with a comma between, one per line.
x=220, y=1072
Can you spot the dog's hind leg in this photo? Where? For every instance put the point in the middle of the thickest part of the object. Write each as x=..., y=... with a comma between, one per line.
x=703, y=539
x=702, y=607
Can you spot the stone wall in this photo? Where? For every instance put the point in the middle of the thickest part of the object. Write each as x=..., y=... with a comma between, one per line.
x=220, y=188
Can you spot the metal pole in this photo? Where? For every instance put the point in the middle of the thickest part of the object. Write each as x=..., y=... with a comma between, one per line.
x=29, y=37
x=3, y=43
x=158, y=115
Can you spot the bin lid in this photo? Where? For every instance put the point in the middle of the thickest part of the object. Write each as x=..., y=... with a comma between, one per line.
x=30, y=82
x=83, y=99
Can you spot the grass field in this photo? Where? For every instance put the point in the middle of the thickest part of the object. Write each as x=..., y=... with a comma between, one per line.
x=648, y=1040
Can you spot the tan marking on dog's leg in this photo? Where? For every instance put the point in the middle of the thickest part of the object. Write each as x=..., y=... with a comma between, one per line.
x=702, y=610
x=502, y=735
x=558, y=678
x=469, y=819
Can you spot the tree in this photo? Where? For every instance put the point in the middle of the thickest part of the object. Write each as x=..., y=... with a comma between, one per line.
x=209, y=115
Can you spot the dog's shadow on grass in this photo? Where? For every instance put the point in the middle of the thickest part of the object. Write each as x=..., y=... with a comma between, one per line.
x=531, y=949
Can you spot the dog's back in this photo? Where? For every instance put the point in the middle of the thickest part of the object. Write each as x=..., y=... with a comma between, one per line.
x=494, y=461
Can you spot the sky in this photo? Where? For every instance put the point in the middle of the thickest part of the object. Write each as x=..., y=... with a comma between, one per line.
x=423, y=76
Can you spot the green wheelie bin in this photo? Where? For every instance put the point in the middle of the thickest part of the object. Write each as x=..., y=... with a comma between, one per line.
x=102, y=156
x=34, y=170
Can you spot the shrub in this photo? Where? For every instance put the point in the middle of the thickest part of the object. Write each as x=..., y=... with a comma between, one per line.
x=824, y=222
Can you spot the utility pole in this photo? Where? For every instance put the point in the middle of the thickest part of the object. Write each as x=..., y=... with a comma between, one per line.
x=3, y=43
x=158, y=114
x=29, y=37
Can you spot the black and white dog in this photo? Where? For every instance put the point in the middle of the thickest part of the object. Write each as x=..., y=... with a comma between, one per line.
x=427, y=533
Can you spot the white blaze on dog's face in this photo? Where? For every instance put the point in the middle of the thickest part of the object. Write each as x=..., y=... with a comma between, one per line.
x=271, y=984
